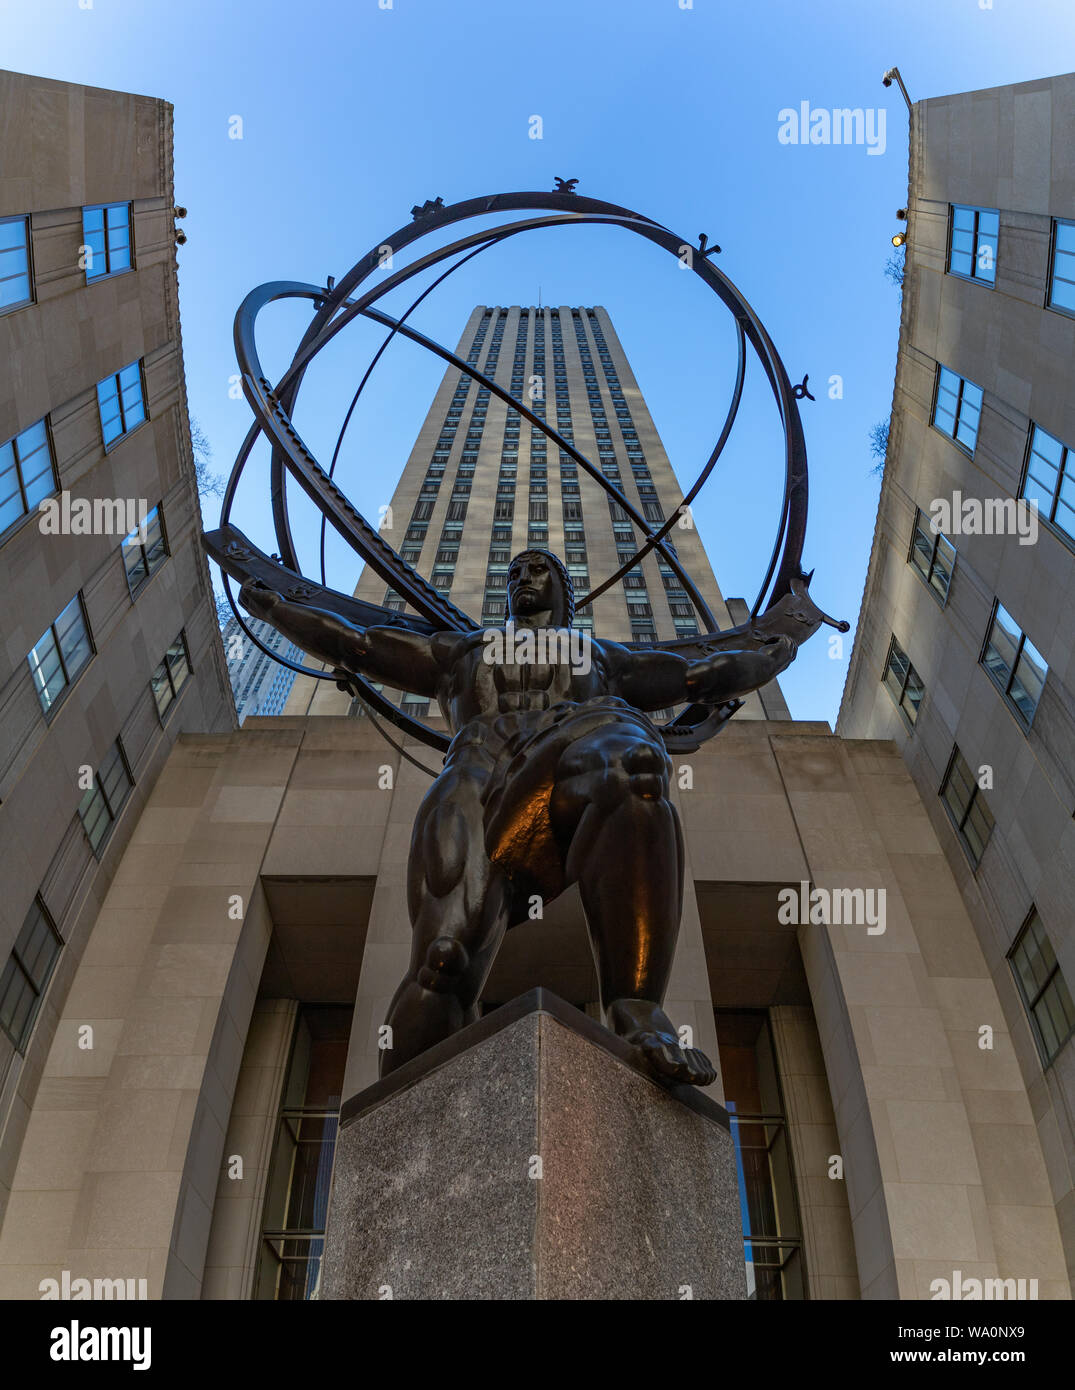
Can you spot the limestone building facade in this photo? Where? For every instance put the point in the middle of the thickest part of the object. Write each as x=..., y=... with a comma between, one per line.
x=965, y=653
x=110, y=647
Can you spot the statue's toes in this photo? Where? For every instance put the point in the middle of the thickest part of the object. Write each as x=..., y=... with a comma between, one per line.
x=665, y=1059
x=703, y=1072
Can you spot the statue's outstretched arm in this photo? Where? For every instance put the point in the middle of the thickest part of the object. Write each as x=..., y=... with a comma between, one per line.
x=656, y=679
x=392, y=656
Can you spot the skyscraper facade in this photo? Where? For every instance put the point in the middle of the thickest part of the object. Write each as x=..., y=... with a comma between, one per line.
x=965, y=654
x=481, y=484
x=110, y=648
x=259, y=683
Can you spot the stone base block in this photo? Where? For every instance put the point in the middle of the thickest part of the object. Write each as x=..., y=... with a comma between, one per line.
x=529, y=1157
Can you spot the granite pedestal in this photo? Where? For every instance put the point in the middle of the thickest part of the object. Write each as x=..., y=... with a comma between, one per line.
x=528, y=1157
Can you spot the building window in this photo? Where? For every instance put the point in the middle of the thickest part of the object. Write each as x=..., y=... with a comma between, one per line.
x=1062, y=270
x=144, y=551
x=768, y=1208
x=965, y=804
x=121, y=402
x=300, y=1172
x=27, y=473
x=1014, y=663
x=16, y=268
x=106, y=233
x=972, y=242
x=101, y=804
x=1044, y=990
x=903, y=682
x=27, y=973
x=60, y=654
x=956, y=408
x=1049, y=480
x=933, y=556
x=171, y=675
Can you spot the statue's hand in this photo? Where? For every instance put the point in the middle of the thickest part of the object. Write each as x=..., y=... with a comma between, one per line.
x=781, y=647
x=258, y=598
x=729, y=675
x=778, y=651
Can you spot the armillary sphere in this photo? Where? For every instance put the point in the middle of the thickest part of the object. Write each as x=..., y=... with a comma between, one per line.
x=783, y=604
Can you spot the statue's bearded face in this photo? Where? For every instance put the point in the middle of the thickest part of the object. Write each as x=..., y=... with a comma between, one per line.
x=530, y=586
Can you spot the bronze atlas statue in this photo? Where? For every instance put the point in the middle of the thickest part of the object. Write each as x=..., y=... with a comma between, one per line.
x=554, y=773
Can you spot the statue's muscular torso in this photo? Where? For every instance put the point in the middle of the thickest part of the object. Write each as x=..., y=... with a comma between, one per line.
x=471, y=687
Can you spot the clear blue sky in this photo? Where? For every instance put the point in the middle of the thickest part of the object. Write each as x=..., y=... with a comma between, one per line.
x=352, y=113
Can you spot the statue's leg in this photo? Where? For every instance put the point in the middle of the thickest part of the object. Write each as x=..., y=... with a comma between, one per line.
x=459, y=909
x=626, y=854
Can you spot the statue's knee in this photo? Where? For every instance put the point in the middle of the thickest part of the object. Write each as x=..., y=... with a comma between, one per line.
x=650, y=786
x=445, y=963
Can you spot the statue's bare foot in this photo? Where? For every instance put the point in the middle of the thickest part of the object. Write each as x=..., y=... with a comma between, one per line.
x=652, y=1034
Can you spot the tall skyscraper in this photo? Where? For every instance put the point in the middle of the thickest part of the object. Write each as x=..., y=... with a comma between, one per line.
x=481, y=484
x=110, y=647
x=964, y=654
x=259, y=684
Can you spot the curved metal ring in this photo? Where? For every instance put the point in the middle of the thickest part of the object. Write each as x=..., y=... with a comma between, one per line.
x=335, y=309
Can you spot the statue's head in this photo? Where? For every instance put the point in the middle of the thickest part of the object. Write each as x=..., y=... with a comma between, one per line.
x=538, y=582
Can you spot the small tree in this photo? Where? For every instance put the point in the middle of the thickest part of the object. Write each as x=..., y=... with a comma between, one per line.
x=896, y=265
x=223, y=610
x=209, y=484
x=879, y=445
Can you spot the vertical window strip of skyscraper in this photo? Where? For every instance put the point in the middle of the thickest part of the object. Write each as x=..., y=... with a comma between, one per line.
x=684, y=621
